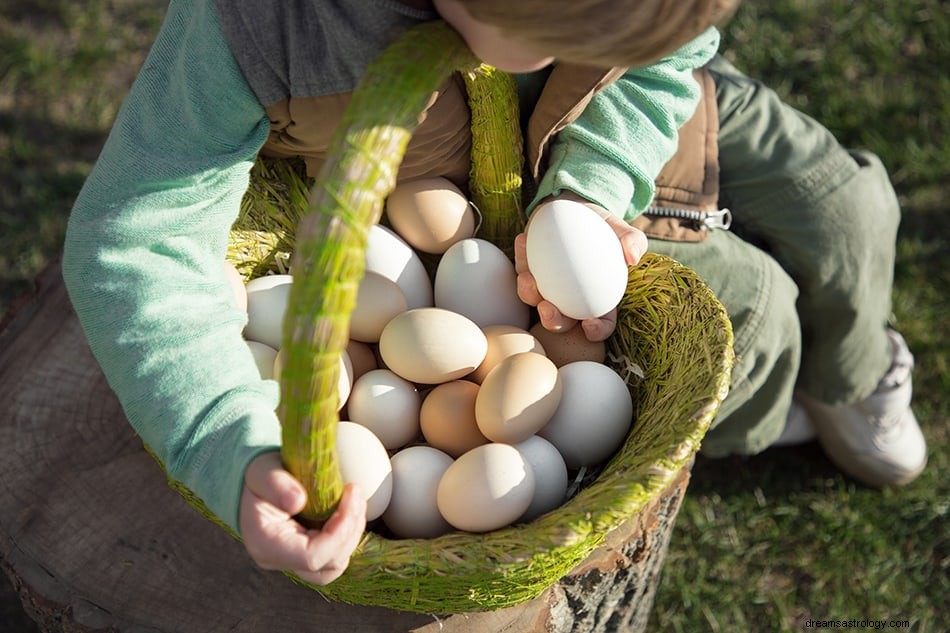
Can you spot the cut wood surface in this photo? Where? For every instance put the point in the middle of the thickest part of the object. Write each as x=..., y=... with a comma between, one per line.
x=93, y=539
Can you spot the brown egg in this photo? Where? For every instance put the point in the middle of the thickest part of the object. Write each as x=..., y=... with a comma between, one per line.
x=362, y=357
x=447, y=418
x=504, y=341
x=430, y=214
x=430, y=345
x=570, y=346
x=517, y=398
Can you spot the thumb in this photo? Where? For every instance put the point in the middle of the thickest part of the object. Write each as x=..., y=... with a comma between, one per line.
x=267, y=478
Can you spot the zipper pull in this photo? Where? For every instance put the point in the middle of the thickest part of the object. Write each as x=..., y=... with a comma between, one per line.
x=721, y=219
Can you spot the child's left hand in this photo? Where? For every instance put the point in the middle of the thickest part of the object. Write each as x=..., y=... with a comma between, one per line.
x=634, y=244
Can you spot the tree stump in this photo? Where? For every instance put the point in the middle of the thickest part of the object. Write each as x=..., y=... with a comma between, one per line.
x=94, y=539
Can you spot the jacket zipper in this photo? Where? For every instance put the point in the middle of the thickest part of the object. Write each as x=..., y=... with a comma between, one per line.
x=721, y=219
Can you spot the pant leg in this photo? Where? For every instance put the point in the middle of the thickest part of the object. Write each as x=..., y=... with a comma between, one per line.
x=828, y=216
x=760, y=299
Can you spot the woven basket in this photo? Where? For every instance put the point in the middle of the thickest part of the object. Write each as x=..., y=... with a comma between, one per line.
x=672, y=345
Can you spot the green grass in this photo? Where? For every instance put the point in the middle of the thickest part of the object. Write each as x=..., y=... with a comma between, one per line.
x=769, y=542
x=763, y=543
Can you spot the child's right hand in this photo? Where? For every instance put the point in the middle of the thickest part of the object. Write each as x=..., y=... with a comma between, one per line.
x=275, y=540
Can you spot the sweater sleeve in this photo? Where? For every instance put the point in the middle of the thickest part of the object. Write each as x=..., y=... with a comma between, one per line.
x=613, y=152
x=144, y=255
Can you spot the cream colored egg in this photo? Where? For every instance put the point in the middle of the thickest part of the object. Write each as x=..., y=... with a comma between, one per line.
x=594, y=415
x=476, y=278
x=487, y=488
x=378, y=300
x=431, y=214
x=447, y=418
x=413, y=510
x=432, y=345
x=504, y=341
x=236, y=282
x=550, y=476
x=344, y=380
x=390, y=256
x=264, y=356
x=267, y=299
x=566, y=347
x=364, y=461
x=387, y=405
x=362, y=357
x=517, y=397
x=576, y=259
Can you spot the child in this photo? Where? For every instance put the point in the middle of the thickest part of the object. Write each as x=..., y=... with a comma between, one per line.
x=148, y=233
x=227, y=80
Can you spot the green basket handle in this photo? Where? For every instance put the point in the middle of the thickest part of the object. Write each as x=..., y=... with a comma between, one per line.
x=347, y=199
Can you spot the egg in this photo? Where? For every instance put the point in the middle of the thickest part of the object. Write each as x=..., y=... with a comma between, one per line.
x=387, y=405
x=447, y=417
x=390, y=256
x=517, y=397
x=362, y=358
x=236, y=282
x=432, y=345
x=413, y=510
x=568, y=346
x=476, y=278
x=264, y=356
x=487, y=488
x=576, y=259
x=504, y=341
x=378, y=300
x=266, y=305
x=364, y=461
x=593, y=417
x=431, y=214
x=550, y=476
x=344, y=381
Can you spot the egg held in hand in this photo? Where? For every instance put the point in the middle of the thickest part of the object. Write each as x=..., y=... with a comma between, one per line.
x=576, y=259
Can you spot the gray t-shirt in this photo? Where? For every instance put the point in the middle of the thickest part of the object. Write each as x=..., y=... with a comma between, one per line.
x=306, y=48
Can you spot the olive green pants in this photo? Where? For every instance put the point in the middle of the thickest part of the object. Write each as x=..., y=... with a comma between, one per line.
x=806, y=270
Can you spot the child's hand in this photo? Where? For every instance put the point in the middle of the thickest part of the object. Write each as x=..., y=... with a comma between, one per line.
x=634, y=244
x=274, y=540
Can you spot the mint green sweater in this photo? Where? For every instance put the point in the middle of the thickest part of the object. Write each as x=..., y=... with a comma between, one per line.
x=146, y=241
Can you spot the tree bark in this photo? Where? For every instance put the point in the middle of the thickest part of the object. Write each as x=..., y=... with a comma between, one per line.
x=94, y=540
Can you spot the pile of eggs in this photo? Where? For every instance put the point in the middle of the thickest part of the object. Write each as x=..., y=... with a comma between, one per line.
x=456, y=412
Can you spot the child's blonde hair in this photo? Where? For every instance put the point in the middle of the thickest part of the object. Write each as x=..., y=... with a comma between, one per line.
x=603, y=32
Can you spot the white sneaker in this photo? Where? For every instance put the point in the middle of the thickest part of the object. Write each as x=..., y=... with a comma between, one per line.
x=798, y=427
x=877, y=440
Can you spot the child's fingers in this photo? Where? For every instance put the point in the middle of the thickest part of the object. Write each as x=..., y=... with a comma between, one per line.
x=276, y=541
x=601, y=328
x=267, y=478
x=633, y=241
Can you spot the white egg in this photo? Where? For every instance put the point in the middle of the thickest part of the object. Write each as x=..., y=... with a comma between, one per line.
x=378, y=300
x=390, y=256
x=475, y=278
x=413, y=511
x=264, y=356
x=388, y=405
x=594, y=414
x=267, y=299
x=364, y=461
x=550, y=476
x=236, y=281
x=487, y=488
x=576, y=259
